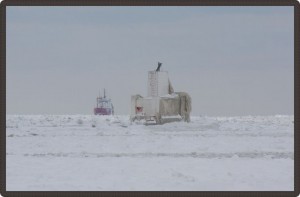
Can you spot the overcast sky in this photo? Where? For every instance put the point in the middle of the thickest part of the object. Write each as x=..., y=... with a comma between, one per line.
x=231, y=60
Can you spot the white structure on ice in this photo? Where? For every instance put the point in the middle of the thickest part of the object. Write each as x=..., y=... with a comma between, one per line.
x=161, y=104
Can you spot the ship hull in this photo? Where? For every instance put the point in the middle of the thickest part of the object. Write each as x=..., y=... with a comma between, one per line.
x=102, y=111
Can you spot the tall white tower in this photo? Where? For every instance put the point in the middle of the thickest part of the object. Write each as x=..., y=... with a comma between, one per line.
x=158, y=83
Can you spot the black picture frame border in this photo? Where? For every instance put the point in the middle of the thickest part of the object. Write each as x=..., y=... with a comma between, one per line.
x=6, y=3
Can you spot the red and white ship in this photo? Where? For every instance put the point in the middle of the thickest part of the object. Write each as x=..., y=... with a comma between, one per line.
x=104, y=106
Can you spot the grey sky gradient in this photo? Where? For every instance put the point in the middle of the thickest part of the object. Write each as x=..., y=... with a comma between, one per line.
x=231, y=60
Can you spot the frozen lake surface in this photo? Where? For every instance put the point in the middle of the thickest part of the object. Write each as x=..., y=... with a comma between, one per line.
x=96, y=153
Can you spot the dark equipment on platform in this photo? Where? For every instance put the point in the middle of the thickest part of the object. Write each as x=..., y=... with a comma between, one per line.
x=158, y=67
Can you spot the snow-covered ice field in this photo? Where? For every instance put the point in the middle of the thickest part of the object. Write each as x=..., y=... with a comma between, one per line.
x=96, y=153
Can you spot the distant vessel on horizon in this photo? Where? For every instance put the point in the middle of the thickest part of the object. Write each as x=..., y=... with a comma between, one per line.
x=104, y=106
